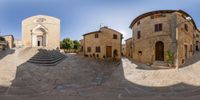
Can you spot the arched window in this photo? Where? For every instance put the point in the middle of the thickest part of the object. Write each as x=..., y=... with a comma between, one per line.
x=186, y=27
x=138, y=35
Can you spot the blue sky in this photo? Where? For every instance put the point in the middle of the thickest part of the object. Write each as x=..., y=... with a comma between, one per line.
x=81, y=16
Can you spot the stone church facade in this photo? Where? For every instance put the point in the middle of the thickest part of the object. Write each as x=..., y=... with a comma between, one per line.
x=157, y=32
x=103, y=44
x=41, y=31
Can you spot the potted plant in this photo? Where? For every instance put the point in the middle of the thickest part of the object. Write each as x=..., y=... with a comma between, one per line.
x=170, y=58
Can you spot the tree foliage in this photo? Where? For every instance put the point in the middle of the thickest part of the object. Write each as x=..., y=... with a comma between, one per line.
x=68, y=44
x=2, y=39
x=76, y=44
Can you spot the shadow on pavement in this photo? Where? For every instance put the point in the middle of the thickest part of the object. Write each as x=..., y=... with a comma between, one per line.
x=88, y=79
x=6, y=52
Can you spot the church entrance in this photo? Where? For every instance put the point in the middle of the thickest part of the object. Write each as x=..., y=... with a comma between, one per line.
x=39, y=41
x=39, y=36
x=159, y=51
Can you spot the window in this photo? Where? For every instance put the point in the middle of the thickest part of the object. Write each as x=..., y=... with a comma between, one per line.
x=140, y=53
x=88, y=49
x=96, y=36
x=98, y=49
x=186, y=27
x=158, y=27
x=197, y=36
x=138, y=35
x=138, y=23
x=152, y=17
x=114, y=36
x=158, y=16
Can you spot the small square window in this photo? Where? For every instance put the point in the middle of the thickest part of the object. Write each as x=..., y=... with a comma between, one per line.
x=98, y=49
x=158, y=27
x=96, y=36
x=114, y=36
x=88, y=49
x=138, y=23
x=140, y=52
x=152, y=16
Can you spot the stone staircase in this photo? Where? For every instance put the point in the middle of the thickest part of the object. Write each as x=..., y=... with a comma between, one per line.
x=47, y=57
x=160, y=65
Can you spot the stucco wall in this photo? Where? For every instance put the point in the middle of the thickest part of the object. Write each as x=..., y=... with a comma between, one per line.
x=51, y=24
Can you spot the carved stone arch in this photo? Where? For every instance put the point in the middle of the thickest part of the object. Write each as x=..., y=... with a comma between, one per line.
x=40, y=27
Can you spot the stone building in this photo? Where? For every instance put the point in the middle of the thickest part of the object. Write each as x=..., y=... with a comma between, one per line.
x=105, y=43
x=41, y=31
x=10, y=41
x=123, y=49
x=81, y=46
x=18, y=43
x=158, y=32
x=129, y=47
x=197, y=40
x=3, y=43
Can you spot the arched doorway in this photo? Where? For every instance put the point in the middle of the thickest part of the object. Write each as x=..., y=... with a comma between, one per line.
x=38, y=35
x=159, y=51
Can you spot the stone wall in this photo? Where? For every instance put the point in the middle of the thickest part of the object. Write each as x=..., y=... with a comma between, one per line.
x=185, y=38
x=148, y=39
x=10, y=40
x=129, y=46
x=173, y=35
x=105, y=38
x=123, y=49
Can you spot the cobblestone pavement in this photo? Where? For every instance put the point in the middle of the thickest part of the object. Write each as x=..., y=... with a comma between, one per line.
x=80, y=78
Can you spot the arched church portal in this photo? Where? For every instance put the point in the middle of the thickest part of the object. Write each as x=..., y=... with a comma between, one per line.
x=39, y=36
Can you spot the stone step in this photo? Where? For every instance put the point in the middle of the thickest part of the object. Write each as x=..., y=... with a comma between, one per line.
x=48, y=58
x=160, y=65
x=45, y=62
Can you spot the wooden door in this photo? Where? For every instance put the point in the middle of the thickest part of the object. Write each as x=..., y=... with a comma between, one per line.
x=109, y=51
x=159, y=51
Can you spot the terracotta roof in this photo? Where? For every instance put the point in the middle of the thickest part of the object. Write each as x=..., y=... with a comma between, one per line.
x=92, y=33
x=160, y=11
x=8, y=35
x=128, y=39
x=100, y=31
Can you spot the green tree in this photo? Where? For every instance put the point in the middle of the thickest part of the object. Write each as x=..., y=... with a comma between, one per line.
x=76, y=45
x=66, y=44
x=2, y=39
